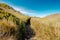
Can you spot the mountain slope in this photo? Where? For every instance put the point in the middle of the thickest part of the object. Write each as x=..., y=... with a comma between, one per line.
x=12, y=23
x=17, y=26
x=47, y=28
x=13, y=12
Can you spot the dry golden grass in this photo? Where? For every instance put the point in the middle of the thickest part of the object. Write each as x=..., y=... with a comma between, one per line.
x=7, y=29
x=46, y=29
x=12, y=26
x=13, y=12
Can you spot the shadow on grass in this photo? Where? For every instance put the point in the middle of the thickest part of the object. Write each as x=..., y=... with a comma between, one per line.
x=29, y=31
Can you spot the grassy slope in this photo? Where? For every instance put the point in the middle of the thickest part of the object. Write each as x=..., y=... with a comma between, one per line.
x=12, y=25
x=13, y=12
x=47, y=28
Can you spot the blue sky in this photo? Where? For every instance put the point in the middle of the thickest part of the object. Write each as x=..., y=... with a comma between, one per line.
x=39, y=8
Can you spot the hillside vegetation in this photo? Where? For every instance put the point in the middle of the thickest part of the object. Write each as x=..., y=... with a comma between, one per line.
x=17, y=26
x=11, y=27
x=46, y=29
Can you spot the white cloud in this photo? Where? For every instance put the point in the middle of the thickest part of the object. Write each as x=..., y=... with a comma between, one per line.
x=34, y=13
x=29, y=12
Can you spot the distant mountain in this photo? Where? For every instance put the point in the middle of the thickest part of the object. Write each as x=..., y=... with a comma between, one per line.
x=17, y=26
x=53, y=16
